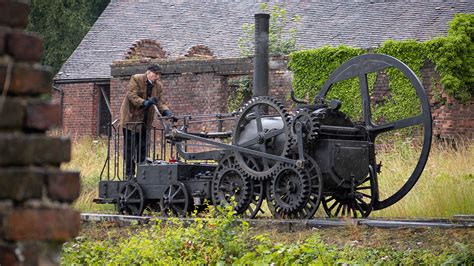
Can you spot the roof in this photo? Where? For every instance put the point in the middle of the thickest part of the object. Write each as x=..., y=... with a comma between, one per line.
x=180, y=24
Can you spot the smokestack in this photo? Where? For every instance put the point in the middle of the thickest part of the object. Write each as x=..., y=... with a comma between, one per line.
x=260, y=70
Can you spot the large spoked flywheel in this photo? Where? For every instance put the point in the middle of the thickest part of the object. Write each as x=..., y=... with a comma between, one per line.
x=263, y=125
x=359, y=67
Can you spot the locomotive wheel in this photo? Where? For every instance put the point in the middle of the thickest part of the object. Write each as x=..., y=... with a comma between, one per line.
x=258, y=192
x=314, y=172
x=175, y=200
x=229, y=184
x=289, y=191
x=256, y=200
x=307, y=212
x=360, y=67
x=131, y=199
x=263, y=138
x=356, y=203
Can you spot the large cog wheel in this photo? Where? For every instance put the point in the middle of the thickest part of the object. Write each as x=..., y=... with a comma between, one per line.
x=230, y=184
x=289, y=190
x=263, y=125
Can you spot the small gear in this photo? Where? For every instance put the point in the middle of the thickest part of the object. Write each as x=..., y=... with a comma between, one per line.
x=290, y=190
x=308, y=121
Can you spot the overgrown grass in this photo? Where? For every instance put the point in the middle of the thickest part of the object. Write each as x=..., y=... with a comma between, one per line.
x=444, y=189
x=224, y=240
x=88, y=156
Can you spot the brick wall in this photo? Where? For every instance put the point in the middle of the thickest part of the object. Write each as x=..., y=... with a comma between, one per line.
x=35, y=217
x=79, y=108
x=451, y=118
x=145, y=48
x=200, y=86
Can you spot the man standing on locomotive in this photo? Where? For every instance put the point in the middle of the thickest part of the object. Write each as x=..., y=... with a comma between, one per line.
x=137, y=112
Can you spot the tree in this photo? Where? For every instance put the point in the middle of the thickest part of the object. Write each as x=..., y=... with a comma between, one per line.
x=281, y=35
x=62, y=24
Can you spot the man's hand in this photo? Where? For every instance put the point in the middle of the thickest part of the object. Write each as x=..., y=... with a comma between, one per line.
x=167, y=113
x=150, y=102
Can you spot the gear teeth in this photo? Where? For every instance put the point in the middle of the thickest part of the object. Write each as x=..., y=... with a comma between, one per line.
x=304, y=190
x=312, y=127
x=226, y=164
x=257, y=174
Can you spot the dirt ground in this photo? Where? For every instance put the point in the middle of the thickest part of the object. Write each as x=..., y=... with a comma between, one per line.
x=435, y=239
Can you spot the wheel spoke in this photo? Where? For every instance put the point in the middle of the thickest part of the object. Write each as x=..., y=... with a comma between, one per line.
x=249, y=142
x=364, y=91
x=177, y=210
x=176, y=192
x=354, y=211
x=273, y=133
x=258, y=119
x=403, y=123
x=333, y=205
x=338, y=209
x=127, y=196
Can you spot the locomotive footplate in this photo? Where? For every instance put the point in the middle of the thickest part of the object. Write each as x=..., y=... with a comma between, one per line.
x=155, y=178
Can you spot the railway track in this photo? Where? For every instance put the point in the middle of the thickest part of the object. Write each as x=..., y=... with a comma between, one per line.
x=458, y=221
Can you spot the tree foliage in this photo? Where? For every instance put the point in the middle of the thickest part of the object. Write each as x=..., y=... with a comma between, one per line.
x=281, y=35
x=62, y=24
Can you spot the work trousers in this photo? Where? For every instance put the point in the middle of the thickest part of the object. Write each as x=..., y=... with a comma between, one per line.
x=134, y=149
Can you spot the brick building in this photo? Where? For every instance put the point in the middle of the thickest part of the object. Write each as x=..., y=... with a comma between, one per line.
x=197, y=44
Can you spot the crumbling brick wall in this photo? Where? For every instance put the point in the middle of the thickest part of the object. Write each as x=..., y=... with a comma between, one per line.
x=145, y=48
x=34, y=193
x=452, y=119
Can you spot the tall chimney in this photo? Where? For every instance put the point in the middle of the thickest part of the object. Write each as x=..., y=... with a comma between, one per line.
x=260, y=71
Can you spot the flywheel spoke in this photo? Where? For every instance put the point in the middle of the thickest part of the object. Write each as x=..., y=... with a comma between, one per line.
x=403, y=123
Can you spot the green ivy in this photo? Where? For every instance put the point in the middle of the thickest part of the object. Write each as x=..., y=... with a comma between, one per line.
x=451, y=55
x=403, y=101
x=312, y=68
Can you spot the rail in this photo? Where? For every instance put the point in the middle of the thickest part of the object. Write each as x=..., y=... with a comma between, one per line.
x=294, y=224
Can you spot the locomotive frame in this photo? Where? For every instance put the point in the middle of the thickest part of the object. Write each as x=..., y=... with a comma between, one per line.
x=296, y=161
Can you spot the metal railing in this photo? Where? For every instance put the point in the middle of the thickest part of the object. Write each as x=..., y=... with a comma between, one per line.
x=159, y=147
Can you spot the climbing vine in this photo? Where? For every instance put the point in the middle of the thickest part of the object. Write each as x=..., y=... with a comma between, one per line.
x=312, y=68
x=451, y=55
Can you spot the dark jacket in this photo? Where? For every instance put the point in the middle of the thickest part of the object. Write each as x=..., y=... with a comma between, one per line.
x=132, y=106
